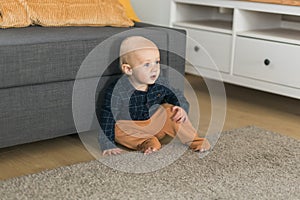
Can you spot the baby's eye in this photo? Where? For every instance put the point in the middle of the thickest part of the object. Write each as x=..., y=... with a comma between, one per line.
x=147, y=64
x=157, y=62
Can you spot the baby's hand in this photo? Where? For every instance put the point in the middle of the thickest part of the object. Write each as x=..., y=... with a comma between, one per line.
x=113, y=151
x=180, y=115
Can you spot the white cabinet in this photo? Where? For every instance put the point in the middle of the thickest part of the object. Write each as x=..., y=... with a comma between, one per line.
x=209, y=49
x=251, y=44
x=268, y=61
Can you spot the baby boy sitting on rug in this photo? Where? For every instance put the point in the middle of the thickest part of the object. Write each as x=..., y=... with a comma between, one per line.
x=139, y=109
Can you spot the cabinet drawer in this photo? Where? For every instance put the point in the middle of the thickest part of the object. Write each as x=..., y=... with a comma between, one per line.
x=206, y=48
x=267, y=61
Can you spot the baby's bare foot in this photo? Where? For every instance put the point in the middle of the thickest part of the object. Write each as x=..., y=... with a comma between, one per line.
x=200, y=145
x=205, y=146
x=150, y=150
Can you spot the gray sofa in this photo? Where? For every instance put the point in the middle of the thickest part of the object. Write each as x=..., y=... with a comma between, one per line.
x=38, y=66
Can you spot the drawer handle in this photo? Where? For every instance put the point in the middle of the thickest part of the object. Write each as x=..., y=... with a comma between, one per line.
x=196, y=48
x=267, y=62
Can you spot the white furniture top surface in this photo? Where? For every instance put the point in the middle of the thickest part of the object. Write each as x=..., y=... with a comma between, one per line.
x=247, y=5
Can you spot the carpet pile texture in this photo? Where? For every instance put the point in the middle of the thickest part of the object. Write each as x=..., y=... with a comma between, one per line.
x=247, y=163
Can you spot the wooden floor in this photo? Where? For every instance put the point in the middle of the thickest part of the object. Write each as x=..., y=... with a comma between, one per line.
x=244, y=107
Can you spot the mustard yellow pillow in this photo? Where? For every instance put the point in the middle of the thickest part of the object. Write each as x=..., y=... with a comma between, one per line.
x=13, y=14
x=77, y=13
x=129, y=10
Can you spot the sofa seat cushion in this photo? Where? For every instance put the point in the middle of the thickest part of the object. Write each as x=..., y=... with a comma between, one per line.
x=35, y=55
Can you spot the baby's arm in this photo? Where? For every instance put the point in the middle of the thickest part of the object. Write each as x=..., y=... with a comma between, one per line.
x=174, y=96
x=181, y=105
x=180, y=116
x=107, y=123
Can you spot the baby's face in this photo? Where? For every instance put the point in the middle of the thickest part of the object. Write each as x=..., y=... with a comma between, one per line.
x=145, y=66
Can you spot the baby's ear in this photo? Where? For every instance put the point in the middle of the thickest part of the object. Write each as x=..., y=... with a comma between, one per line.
x=126, y=69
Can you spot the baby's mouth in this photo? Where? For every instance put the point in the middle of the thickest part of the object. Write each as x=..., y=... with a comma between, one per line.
x=153, y=76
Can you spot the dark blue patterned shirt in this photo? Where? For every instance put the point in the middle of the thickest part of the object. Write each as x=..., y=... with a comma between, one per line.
x=123, y=102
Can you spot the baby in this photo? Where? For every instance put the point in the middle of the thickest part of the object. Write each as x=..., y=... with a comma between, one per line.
x=139, y=109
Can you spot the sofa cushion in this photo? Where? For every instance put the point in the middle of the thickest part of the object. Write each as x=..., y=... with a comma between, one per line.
x=15, y=13
x=35, y=55
x=77, y=13
x=129, y=10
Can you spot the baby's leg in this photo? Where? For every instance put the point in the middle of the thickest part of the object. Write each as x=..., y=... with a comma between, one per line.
x=150, y=145
x=185, y=131
x=134, y=135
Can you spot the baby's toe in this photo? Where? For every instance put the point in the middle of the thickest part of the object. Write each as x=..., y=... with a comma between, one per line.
x=150, y=150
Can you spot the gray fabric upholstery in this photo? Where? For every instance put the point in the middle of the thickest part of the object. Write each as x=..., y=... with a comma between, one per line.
x=38, y=66
x=38, y=34
x=43, y=57
x=37, y=112
x=31, y=113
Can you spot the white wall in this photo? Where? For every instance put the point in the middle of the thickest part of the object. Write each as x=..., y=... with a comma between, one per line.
x=152, y=11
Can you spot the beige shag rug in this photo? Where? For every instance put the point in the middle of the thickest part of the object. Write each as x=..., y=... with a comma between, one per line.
x=247, y=163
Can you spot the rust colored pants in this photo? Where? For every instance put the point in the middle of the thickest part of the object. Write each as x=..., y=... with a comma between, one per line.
x=140, y=135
